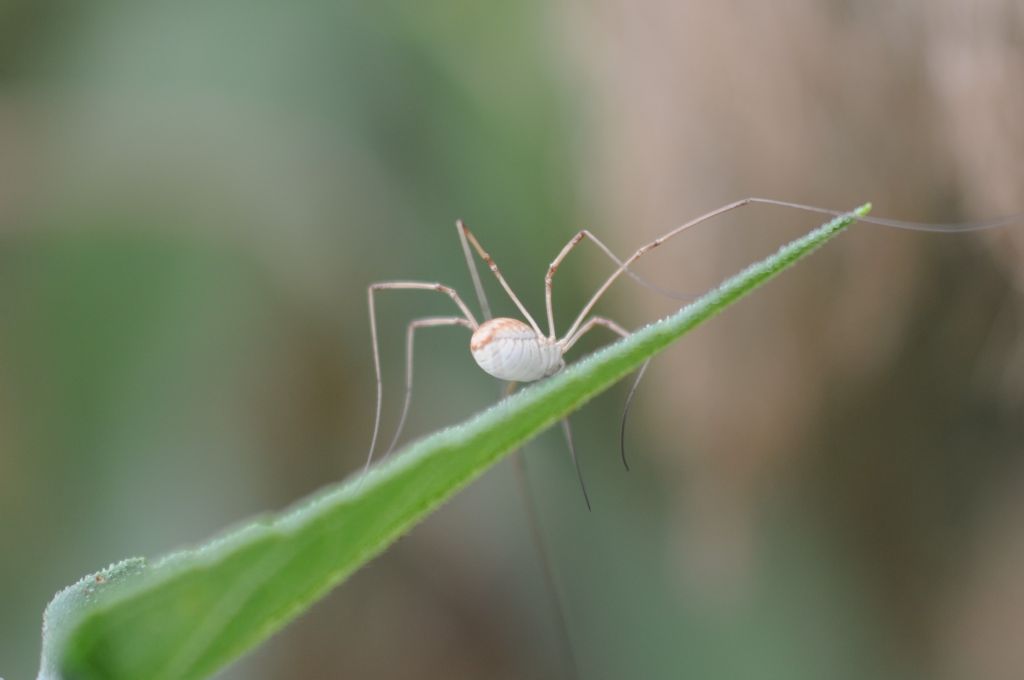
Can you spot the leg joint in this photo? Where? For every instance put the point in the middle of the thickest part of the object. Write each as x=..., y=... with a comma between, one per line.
x=441, y=288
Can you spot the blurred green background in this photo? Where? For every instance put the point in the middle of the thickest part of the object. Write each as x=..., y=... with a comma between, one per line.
x=828, y=480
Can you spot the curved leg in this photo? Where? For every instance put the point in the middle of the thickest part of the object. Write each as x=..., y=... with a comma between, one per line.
x=625, y=412
x=400, y=285
x=575, y=241
x=567, y=429
x=639, y=253
x=409, y=337
x=619, y=330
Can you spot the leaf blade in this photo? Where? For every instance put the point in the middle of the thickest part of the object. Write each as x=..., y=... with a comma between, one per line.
x=196, y=610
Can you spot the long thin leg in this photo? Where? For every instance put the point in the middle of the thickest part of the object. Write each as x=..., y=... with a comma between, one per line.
x=615, y=328
x=625, y=412
x=400, y=285
x=947, y=227
x=410, y=334
x=918, y=226
x=550, y=579
x=575, y=241
x=481, y=296
x=640, y=251
x=567, y=429
x=501, y=279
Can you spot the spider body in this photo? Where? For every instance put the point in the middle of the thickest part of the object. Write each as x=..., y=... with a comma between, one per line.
x=509, y=349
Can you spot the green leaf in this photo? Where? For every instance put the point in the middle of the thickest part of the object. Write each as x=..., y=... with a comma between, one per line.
x=195, y=611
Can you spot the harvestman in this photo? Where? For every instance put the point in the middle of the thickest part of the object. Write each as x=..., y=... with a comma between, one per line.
x=517, y=351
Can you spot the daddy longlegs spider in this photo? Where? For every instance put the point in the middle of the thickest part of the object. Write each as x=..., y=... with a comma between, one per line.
x=518, y=351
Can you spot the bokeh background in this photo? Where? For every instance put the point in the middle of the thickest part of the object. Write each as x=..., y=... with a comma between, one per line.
x=828, y=480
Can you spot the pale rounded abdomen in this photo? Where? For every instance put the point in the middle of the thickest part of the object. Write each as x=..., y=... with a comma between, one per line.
x=510, y=350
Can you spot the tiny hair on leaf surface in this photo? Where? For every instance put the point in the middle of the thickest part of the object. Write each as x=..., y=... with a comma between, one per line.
x=191, y=613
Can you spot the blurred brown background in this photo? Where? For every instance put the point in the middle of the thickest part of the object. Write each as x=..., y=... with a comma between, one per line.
x=828, y=479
